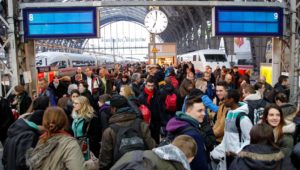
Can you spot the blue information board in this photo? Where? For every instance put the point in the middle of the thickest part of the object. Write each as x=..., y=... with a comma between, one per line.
x=247, y=21
x=60, y=22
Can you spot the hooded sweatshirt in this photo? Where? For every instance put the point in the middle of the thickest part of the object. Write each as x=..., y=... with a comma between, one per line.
x=231, y=140
x=182, y=120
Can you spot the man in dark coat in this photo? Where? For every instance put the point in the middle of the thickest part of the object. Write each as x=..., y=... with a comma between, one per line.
x=190, y=120
x=282, y=86
x=135, y=83
x=58, y=88
x=151, y=98
x=79, y=76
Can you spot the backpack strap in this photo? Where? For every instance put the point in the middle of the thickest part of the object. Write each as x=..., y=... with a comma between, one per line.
x=238, y=126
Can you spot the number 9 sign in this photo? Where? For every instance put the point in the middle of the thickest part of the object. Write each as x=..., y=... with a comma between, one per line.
x=276, y=16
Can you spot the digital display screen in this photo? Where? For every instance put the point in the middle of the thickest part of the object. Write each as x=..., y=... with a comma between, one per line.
x=248, y=21
x=60, y=22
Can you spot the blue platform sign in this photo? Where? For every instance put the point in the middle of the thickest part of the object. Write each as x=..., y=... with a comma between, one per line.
x=61, y=22
x=247, y=21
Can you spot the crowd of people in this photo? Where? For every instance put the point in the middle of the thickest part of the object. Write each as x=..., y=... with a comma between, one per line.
x=143, y=116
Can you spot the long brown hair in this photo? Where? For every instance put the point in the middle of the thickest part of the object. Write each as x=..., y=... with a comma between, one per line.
x=183, y=89
x=54, y=120
x=278, y=129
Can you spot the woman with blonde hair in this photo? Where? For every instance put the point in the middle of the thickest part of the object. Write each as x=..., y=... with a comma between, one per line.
x=128, y=93
x=56, y=148
x=86, y=126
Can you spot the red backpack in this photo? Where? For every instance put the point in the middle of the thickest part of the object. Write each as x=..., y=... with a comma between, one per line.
x=146, y=113
x=171, y=102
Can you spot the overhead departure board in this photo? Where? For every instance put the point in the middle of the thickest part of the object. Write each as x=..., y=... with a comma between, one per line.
x=61, y=22
x=247, y=21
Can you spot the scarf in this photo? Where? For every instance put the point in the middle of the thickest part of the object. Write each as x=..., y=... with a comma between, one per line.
x=150, y=95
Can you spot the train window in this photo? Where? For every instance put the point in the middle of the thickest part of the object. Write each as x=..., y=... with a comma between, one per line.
x=39, y=63
x=199, y=58
x=194, y=57
x=215, y=57
x=62, y=64
x=55, y=64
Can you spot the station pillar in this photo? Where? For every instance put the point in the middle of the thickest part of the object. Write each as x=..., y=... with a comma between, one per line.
x=30, y=66
x=276, y=57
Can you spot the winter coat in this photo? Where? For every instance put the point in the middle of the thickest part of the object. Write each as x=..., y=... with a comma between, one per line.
x=134, y=104
x=210, y=90
x=286, y=143
x=167, y=157
x=182, y=120
x=297, y=130
x=219, y=125
x=109, y=86
x=254, y=101
x=123, y=117
x=24, y=102
x=49, y=93
x=92, y=129
x=104, y=114
x=6, y=118
x=158, y=116
x=295, y=156
x=60, y=152
x=59, y=91
x=21, y=136
x=260, y=157
x=281, y=89
x=73, y=78
x=231, y=141
x=289, y=110
x=136, y=89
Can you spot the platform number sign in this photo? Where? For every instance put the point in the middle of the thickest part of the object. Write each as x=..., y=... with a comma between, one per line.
x=79, y=22
x=247, y=21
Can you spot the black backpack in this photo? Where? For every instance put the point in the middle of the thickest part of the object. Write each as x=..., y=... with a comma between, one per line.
x=128, y=138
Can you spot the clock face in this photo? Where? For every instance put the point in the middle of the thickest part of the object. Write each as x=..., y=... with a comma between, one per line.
x=156, y=21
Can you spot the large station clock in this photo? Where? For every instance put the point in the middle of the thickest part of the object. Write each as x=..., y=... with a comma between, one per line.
x=156, y=21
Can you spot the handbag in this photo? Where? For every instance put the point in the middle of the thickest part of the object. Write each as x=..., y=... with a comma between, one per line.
x=91, y=161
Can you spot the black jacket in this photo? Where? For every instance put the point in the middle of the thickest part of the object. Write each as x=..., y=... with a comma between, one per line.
x=93, y=130
x=21, y=137
x=136, y=89
x=25, y=102
x=281, y=89
x=255, y=104
x=61, y=89
x=158, y=116
x=6, y=118
x=259, y=157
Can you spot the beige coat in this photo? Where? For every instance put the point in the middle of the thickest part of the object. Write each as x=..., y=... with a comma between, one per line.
x=66, y=154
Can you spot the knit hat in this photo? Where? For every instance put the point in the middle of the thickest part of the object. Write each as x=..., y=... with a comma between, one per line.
x=118, y=101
